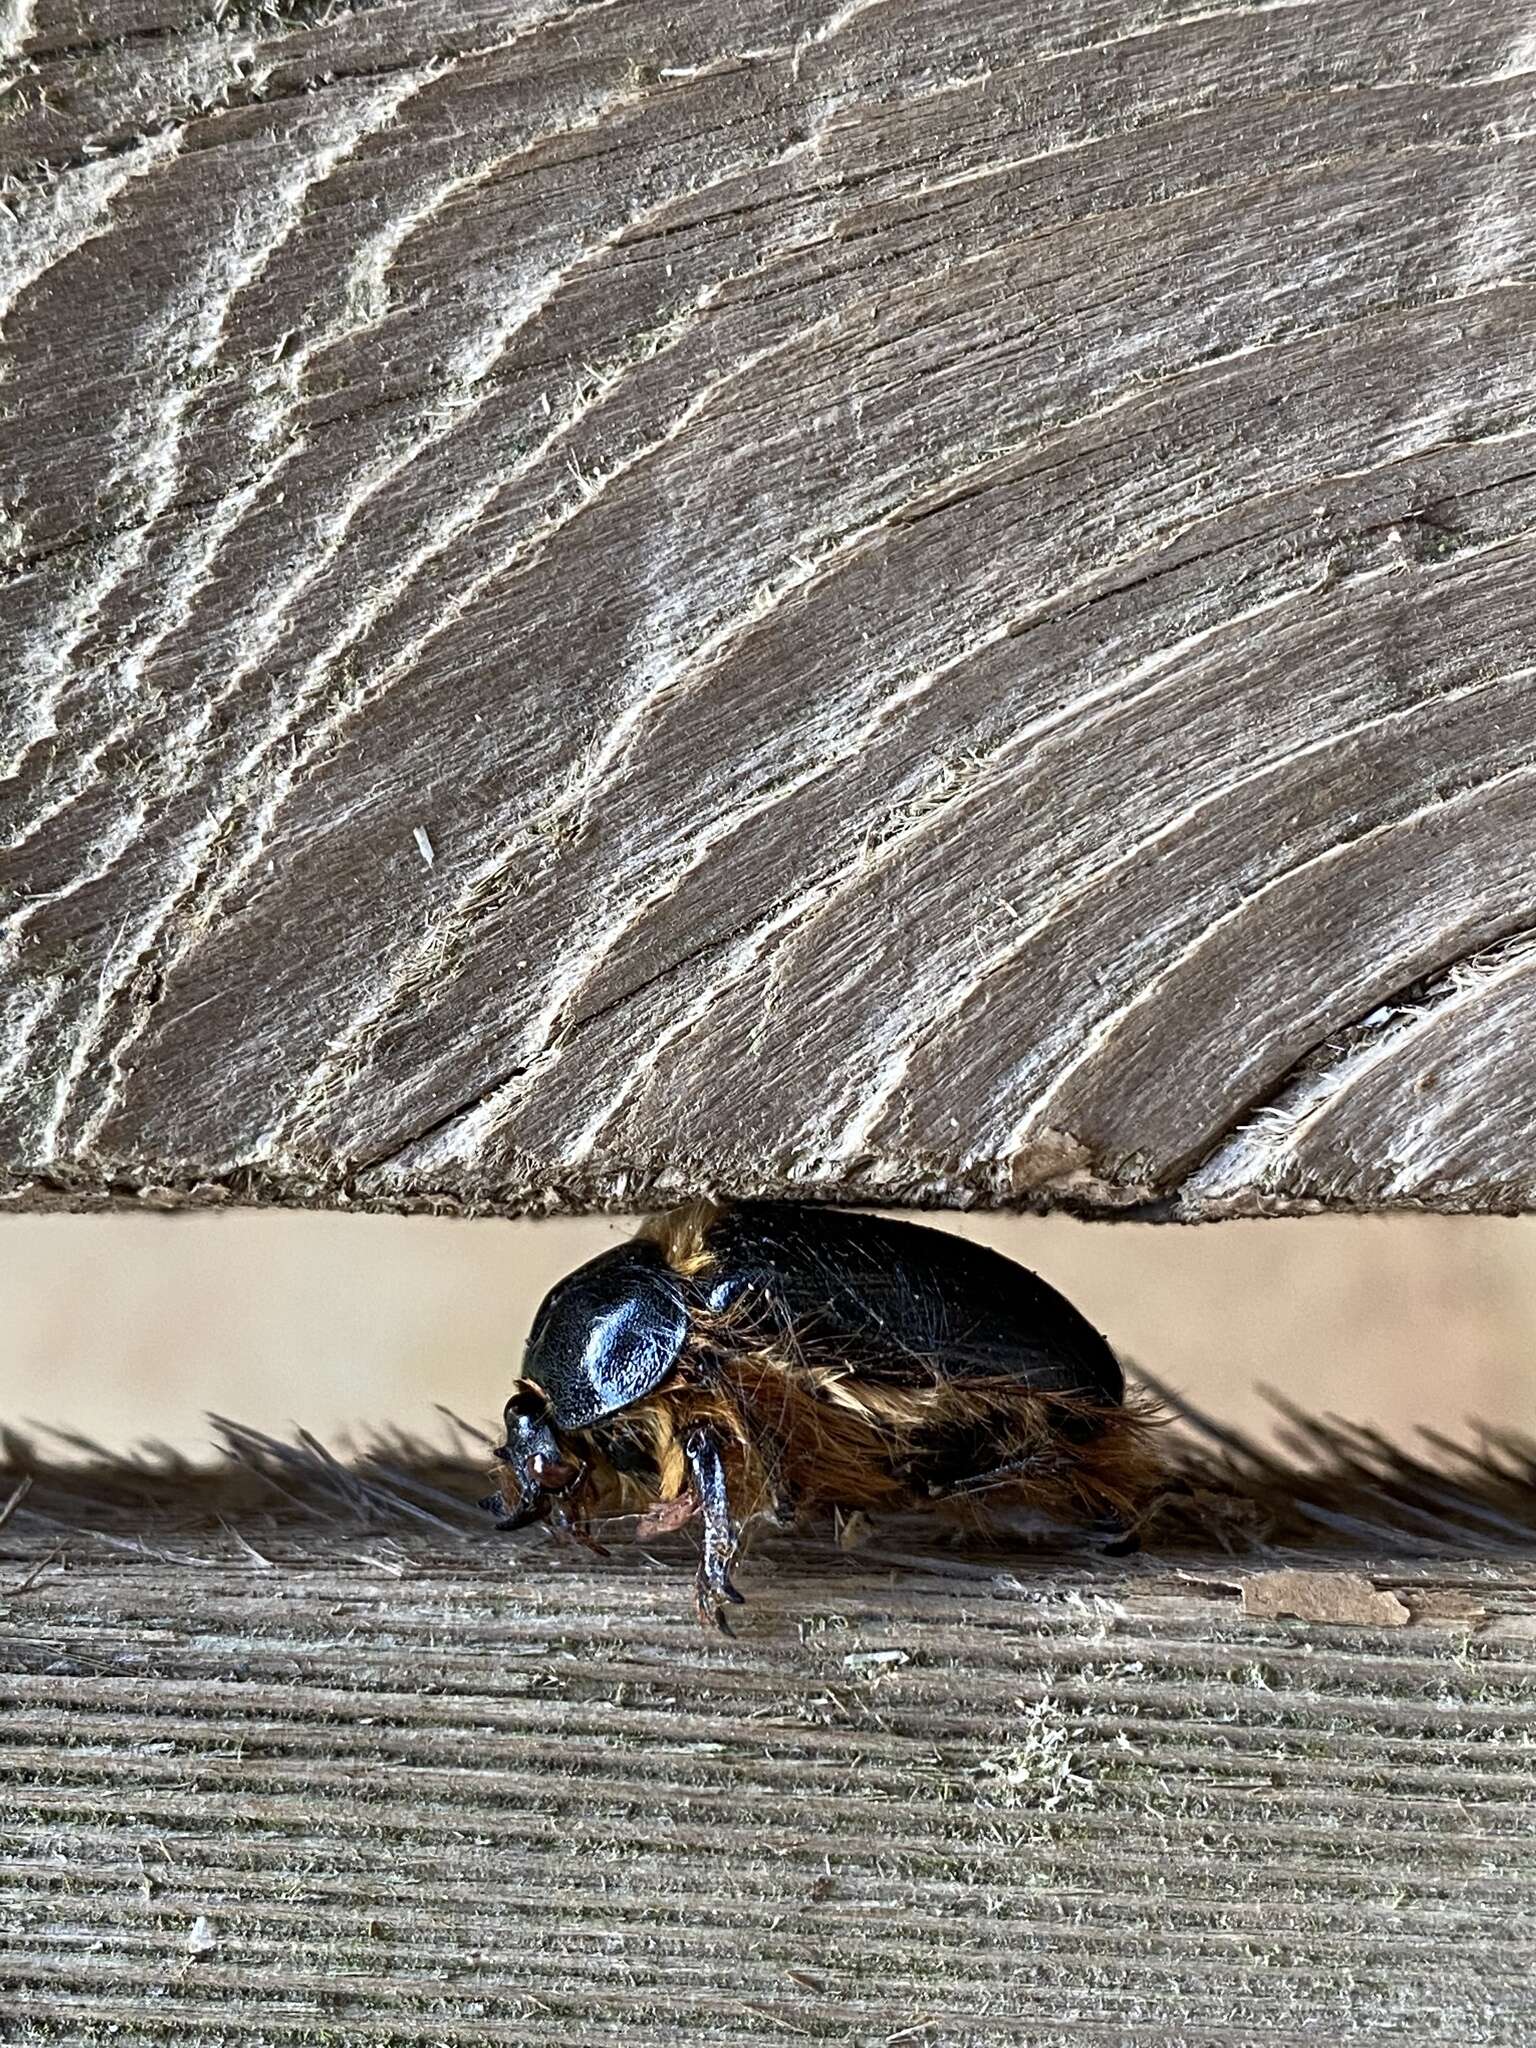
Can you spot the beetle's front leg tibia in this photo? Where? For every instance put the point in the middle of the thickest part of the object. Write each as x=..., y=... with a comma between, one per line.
x=539, y=1479
x=713, y=1587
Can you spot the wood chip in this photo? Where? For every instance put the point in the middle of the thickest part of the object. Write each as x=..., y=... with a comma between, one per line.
x=1448, y=1609
x=201, y=1939
x=1342, y=1597
x=666, y=1516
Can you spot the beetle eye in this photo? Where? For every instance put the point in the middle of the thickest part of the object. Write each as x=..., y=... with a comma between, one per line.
x=528, y=1404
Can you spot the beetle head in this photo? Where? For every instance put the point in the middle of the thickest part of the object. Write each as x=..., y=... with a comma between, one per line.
x=604, y=1337
x=541, y=1471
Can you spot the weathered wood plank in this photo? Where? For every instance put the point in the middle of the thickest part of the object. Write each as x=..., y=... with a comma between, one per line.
x=906, y=601
x=292, y=1770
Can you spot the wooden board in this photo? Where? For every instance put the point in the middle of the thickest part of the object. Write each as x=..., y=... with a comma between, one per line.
x=907, y=601
x=294, y=1767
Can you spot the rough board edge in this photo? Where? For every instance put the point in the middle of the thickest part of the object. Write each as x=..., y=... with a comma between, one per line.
x=623, y=1192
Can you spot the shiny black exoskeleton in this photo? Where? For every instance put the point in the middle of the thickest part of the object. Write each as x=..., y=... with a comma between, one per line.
x=855, y=1312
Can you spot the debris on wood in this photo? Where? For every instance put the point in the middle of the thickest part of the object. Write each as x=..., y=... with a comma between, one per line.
x=201, y=1939
x=667, y=1516
x=1343, y=1597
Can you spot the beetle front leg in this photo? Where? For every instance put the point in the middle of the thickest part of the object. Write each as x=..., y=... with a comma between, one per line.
x=721, y=1538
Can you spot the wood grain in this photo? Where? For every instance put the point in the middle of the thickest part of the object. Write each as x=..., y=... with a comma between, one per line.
x=909, y=602
x=297, y=1767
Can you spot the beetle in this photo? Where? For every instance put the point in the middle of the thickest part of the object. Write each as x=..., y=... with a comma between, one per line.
x=772, y=1358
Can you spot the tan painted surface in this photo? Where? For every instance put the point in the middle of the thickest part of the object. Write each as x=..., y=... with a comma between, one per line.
x=128, y=1326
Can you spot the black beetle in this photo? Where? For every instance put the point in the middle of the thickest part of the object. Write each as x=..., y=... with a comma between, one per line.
x=769, y=1358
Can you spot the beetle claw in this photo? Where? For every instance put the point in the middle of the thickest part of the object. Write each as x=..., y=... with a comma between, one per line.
x=707, y=1605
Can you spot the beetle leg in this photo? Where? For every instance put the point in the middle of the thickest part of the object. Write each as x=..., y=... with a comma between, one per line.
x=561, y=1518
x=714, y=1586
x=540, y=1472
